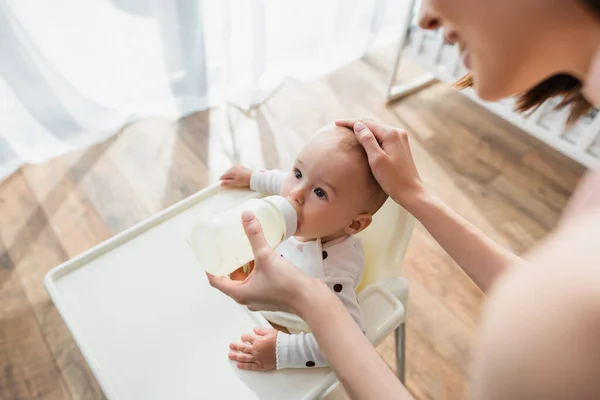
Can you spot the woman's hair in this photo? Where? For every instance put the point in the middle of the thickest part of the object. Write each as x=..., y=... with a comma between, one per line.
x=566, y=86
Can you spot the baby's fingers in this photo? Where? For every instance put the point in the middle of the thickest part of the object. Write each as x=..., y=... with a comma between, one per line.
x=262, y=331
x=228, y=174
x=241, y=357
x=228, y=182
x=248, y=366
x=248, y=338
x=243, y=347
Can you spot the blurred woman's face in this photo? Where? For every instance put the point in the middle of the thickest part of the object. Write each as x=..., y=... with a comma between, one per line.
x=512, y=45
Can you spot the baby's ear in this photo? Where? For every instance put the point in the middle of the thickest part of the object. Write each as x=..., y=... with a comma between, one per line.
x=359, y=224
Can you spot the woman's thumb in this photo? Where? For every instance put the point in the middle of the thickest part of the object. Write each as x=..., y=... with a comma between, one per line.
x=367, y=139
x=254, y=232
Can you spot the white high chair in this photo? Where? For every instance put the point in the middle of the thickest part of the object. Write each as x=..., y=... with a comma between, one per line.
x=151, y=327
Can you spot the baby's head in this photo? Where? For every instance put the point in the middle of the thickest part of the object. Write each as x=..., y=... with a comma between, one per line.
x=332, y=187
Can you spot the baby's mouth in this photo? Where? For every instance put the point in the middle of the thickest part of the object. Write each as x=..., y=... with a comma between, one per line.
x=298, y=218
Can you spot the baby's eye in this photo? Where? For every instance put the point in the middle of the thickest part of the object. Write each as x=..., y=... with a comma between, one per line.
x=297, y=174
x=320, y=193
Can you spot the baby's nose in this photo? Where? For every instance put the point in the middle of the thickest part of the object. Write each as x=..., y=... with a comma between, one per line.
x=296, y=200
x=296, y=196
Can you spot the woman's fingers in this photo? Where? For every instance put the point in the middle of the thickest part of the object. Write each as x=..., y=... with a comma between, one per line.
x=272, y=285
x=380, y=131
x=368, y=141
x=255, y=234
x=346, y=123
x=389, y=155
x=227, y=286
x=349, y=122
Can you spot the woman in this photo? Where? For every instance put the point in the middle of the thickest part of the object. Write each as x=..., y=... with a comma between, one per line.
x=540, y=334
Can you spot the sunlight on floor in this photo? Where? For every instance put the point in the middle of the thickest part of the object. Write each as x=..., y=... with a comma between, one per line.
x=144, y=150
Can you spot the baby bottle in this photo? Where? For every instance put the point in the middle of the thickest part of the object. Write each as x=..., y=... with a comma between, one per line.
x=220, y=243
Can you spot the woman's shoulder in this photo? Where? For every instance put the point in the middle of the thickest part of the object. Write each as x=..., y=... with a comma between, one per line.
x=543, y=320
x=572, y=251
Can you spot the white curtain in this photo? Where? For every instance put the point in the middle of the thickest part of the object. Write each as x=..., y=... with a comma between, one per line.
x=73, y=72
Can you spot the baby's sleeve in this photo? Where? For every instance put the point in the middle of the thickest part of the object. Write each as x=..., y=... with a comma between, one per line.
x=298, y=351
x=267, y=181
x=344, y=269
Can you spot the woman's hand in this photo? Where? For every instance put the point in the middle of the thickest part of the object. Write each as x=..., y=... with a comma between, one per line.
x=236, y=176
x=256, y=351
x=390, y=157
x=273, y=285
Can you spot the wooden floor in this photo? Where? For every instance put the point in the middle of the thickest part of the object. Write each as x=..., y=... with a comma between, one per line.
x=506, y=183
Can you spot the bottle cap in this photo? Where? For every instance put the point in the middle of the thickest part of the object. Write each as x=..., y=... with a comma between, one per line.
x=287, y=211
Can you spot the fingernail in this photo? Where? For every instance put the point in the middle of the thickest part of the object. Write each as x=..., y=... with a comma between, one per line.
x=359, y=127
x=247, y=216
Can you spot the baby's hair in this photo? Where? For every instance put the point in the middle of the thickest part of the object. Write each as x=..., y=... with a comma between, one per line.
x=349, y=142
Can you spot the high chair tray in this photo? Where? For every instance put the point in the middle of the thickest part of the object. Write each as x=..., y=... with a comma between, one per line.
x=146, y=320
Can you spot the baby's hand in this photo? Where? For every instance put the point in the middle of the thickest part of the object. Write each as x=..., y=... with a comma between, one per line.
x=256, y=352
x=236, y=176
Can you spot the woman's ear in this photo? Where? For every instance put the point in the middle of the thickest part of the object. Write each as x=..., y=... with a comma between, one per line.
x=359, y=224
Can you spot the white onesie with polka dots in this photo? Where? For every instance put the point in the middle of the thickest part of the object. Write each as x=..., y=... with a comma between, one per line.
x=338, y=263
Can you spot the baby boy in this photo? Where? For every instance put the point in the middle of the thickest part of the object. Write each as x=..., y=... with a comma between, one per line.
x=335, y=195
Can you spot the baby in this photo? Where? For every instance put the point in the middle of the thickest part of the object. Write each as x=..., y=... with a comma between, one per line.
x=335, y=195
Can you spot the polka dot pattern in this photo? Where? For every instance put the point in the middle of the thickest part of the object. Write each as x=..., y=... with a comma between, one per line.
x=310, y=364
x=338, y=287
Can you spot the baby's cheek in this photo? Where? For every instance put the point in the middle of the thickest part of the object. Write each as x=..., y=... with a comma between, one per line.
x=284, y=191
x=324, y=220
x=311, y=221
x=287, y=185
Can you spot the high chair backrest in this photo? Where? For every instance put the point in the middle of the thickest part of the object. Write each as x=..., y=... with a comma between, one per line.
x=385, y=242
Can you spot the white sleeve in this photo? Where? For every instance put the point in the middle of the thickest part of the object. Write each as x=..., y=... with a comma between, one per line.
x=298, y=351
x=344, y=265
x=267, y=181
